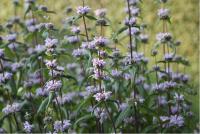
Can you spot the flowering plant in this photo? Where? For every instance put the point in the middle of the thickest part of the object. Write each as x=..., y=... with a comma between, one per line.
x=75, y=77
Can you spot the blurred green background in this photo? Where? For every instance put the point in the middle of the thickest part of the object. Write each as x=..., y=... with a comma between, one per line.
x=185, y=24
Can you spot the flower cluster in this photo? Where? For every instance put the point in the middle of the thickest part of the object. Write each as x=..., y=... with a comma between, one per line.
x=61, y=126
x=13, y=108
x=93, y=72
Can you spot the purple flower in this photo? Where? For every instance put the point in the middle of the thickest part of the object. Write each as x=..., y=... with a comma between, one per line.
x=30, y=1
x=144, y=38
x=168, y=56
x=133, y=2
x=66, y=98
x=72, y=66
x=140, y=80
x=175, y=109
x=162, y=100
x=30, y=22
x=53, y=85
x=164, y=118
x=123, y=106
x=185, y=78
x=41, y=92
x=98, y=63
x=176, y=120
x=49, y=25
x=75, y=29
x=51, y=64
x=115, y=73
x=40, y=48
x=91, y=45
x=102, y=96
x=101, y=114
x=61, y=127
x=13, y=46
x=163, y=37
x=134, y=31
x=72, y=39
x=57, y=72
x=179, y=97
x=92, y=89
x=1, y=53
x=101, y=41
x=163, y=13
x=13, y=108
x=28, y=127
x=101, y=12
x=51, y=43
x=135, y=11
x=83, y=10
x=131, y=21
x=11, y=37
x=43, y=8
x=127, y=76
x=98, y=74
x=16, y=66
x=32, y=28
x=79, y=52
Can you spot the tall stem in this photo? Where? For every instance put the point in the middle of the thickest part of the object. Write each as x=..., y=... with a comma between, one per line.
x=17, y=124
x=85, y=26
x=130, y=36
x=166, y=65
x=57, y=99
x=135, y=108
x=111, y=119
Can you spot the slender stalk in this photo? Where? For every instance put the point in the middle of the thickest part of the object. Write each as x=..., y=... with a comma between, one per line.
x=61, y=118
x=85, y=26
x=10, y=125
x=130, y=36
x=17, y=124
x=113, y=124
x=166, y=65
x=57, y=99
x=135, y=108
x=15, y=14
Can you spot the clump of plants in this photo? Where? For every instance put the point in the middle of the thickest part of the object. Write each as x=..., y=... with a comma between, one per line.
x=75, y=78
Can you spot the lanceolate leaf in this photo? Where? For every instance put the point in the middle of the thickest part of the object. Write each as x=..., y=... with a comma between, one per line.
x=86, y=117
x=43, y=105
x=124, y=114
x=91, y=17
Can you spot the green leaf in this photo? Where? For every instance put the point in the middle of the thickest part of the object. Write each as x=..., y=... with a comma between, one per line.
x=119, y=31
x=90, y=17
x=51, y=96
x=20, y=91
x=123, y=115
x=169, y=21
x=53, y=12
x=70, y=77
x=149, y=128
x=45, y=34
x=43, y=105
x=86, y=117
x=73, y=19
x=13, y=86
x=27, y=10
x=83, y=104
x=155, y=46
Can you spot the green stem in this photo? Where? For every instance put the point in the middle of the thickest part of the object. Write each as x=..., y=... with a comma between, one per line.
x=111, y=119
